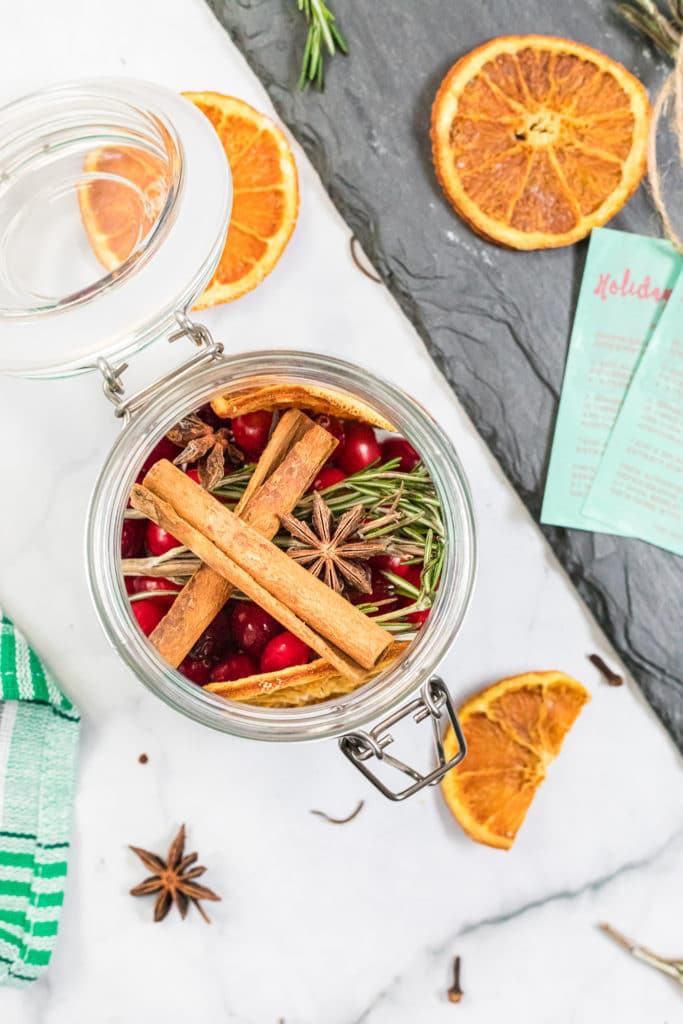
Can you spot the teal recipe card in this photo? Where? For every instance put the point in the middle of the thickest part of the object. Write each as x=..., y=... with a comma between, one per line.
x=626, y=283
x=639, y=485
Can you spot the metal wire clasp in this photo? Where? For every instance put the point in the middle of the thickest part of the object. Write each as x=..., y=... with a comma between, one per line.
x=113, y=387
x=435, y=703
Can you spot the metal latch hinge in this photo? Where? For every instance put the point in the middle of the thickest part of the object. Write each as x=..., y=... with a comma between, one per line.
x=434, y=703
x=113, y=387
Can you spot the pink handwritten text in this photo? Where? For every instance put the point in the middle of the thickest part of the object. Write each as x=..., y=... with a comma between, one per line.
x=609, y=286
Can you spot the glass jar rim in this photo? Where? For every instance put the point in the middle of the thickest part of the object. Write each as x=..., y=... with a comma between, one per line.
x=338, y=715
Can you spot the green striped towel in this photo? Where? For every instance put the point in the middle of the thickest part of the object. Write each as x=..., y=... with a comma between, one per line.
x=38, y=743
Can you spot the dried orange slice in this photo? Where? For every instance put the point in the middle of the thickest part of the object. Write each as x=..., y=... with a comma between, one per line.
x=117, y=216
x=537, y=140
x=513, y=729
x=266, y=195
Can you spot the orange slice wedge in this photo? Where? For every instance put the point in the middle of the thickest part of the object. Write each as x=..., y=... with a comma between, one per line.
x=265, y=200
x=537, y=140
x=513, y=729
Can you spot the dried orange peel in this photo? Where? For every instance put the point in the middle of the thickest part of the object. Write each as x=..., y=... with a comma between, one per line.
x=311, y=397
x=536, y=140
x=301, y=684
x=513, y=729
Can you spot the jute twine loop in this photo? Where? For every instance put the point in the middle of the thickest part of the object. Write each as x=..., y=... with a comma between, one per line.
x=673, y=84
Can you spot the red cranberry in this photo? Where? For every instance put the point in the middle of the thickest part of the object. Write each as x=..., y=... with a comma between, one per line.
x=333, y=426
x=159, y=541
x=193, y=474
x=253, y=628
x=165, y=449
x=389, y=563
x=235, y=666
x=382, y=590
x=133, y=538
x=284, y=651
x=149, y=584
x=129, y=584
x=413, y=574
x=209, y=417
x=195, y=670
x=215, y=640
x=360, y=448
x=399, y=448
x=327, y=476
x=251, y=431
x=149, y=613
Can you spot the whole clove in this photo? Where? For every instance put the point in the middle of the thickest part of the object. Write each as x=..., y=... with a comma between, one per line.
x=455, y=993
x=612, y=677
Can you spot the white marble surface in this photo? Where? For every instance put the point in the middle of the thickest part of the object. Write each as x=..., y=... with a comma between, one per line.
x=319, y=924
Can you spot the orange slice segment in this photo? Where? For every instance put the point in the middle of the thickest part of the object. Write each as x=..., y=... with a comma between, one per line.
x=513, y=729
x=265, y=195
x=537, y=140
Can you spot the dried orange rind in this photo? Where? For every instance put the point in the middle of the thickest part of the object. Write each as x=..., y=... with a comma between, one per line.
x=301, y=684
x=536, y=140
x=513, y=729
x=301, y=396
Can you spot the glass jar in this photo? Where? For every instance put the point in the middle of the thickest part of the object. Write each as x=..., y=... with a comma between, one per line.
x=55, y=326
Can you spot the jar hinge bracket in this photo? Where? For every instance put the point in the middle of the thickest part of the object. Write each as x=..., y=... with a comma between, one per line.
x=435, y=703
x=113, y=387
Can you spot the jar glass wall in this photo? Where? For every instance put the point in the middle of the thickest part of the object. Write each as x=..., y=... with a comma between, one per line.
x=338, y=715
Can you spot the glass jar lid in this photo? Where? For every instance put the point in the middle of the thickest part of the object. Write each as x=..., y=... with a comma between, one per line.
x=115, y=197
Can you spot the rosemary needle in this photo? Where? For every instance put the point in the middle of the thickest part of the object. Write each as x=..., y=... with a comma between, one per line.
x=664, y=30
x=674, y=968
x=323, y=34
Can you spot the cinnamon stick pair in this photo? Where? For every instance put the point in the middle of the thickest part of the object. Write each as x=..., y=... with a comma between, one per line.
x=305, y=606
x=290, y=462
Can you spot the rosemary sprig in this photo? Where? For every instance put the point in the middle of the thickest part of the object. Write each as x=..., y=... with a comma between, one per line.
x=664, y=30
x=323, y=34
x=671, y=966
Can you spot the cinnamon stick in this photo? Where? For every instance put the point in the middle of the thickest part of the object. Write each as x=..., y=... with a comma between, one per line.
x=289, y=465
x=301, y=684
x=291, y=428
x=166, y=516
x=320, y=607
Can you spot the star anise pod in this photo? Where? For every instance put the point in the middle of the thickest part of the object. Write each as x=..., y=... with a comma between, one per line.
x=208, y=447
x=333, y=550
x=173, y=879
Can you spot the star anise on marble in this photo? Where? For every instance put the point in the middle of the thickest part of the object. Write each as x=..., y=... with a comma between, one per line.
x=207, y=446
x=334, y=550
x=173, y=879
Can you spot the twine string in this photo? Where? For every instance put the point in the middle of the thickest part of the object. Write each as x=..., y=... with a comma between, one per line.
x=673, y=84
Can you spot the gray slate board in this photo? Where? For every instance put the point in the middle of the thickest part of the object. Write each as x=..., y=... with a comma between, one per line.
x=496, y=322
